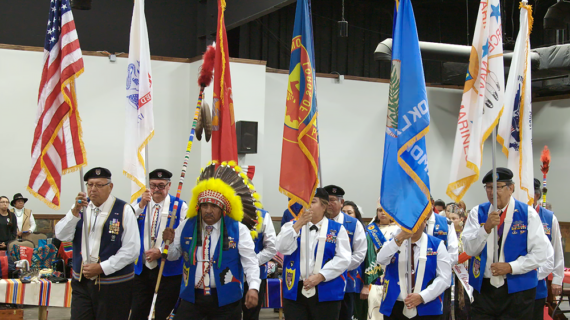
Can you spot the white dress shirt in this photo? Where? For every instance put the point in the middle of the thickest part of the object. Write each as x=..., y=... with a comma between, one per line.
x=359, y=243
x=163, y=210
x=389, y=230
x=20, y=217
x=475, y=239
x=443, y=270
x=245, y=246
x=287, y=244
x=129, y=252
x=269, y=237
x=558, y=255
x=452, y=241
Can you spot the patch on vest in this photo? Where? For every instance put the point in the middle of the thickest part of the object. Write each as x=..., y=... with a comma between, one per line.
x=518, y=226
x=226, y=277
x=114, y=226
x=430, y=252
x=186, y=256
x=386, y=284
x=331, y=236
x=141, y=216
x=231, y=243
x=546, y=229
x=477, y=267
x=185, y=273
x=289, y=277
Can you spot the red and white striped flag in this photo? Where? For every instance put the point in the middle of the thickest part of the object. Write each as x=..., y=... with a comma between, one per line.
x=57, y=147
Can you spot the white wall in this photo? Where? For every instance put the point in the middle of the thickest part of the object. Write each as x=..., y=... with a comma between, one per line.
x=351, y=124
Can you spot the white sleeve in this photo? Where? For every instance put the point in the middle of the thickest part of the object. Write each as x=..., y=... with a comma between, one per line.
x=558, y=272
x=65, y=228
x=248, y=258
x=175, y=249
x=339, y=263
x=359, y=247
x=137, y=208
x=183, y=211
x=452, y=245
x=286, y=242
x=537, y=246
x=442, y=280
x=389, y=249
x=32, y=223
x=269, y=236
x=474, y=235
x=547, y=266
x=130, y=247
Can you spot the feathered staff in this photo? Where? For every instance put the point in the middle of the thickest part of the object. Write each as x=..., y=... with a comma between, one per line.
x=204, y=80
x=545, y=159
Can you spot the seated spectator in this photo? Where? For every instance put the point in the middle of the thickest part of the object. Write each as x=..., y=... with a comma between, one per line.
x=8, y=228
x=26, y=221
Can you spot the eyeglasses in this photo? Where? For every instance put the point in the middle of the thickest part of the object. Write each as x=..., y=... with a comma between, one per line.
x=158, y=186
x=4, y=201
x=490, y=188
x=97, y=186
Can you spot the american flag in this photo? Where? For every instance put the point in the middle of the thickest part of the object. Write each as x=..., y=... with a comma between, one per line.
x=57, y=147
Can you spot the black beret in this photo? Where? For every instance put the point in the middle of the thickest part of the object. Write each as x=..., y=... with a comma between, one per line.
x=161, y=174
x=322, y=194
x=537, y=184
x=503, y=174
x=97, y=172
x=334, y=190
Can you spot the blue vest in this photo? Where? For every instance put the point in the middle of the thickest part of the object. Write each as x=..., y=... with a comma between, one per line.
x=228, y=276
x=171, y=268
x=259, y=246
x=354, y=281
x=516, y=242
x=392, y=283
x=111, y=242
x=441, y=228
x=332, y=290
x=376, y=235
x=546, y=218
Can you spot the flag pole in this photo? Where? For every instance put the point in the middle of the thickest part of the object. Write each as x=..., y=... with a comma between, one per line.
x=494, y=138
x=85, y=228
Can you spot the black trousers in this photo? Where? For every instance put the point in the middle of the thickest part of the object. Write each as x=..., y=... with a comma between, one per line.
x=538, y=310
x=90, y=301
x=447, y=304
x=310, y=308
x=253, y=313
x=206, y=308
x=397, y=314
x=347, y=306
x=496, y=303
x=143, y=293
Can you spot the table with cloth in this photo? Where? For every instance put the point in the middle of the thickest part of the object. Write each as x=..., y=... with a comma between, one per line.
x=42, y=293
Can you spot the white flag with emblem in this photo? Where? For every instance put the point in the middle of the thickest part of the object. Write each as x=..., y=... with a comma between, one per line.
x=139, y=128
x=482, y=101
x=515, y=127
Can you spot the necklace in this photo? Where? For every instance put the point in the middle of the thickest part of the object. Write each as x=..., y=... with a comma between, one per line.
x=19, y=215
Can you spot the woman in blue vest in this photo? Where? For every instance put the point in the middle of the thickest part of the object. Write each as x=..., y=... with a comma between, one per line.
x=505, y=289
x=315, y=293
x=431, y=276
x=552, y=232
x=216, y=244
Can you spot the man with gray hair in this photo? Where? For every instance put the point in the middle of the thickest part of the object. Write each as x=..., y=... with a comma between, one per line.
x=106, y=243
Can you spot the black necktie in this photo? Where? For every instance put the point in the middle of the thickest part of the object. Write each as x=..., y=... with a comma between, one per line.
x=314, y=227
x=413, y=267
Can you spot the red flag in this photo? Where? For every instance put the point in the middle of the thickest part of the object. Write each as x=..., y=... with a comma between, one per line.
x=57, y=147
x=224, y=146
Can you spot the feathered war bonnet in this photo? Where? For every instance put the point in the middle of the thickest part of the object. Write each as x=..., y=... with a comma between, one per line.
x=228, y=187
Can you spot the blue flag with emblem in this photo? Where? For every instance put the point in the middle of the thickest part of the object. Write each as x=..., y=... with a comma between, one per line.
x=404, y=193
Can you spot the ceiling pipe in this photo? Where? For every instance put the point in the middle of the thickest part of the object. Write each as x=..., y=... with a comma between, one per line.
x=443, y=52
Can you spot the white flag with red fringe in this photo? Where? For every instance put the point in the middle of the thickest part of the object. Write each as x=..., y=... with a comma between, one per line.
x=139, y=128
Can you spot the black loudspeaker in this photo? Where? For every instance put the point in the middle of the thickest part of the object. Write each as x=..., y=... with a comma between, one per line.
x=246, y=132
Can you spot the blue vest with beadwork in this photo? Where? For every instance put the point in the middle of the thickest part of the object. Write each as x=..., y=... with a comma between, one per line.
x=354, y=281
x=392, y=282
x=111, y=242
x=171, y=268
x=515, y=241
x=332, y=290
x=441, y=228
x=259, y=246
x=546, y=218
x=228, y=273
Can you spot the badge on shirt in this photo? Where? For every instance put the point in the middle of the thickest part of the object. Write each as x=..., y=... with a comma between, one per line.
x=331, y=236
x=518, y=226
x=141, y=216
x=289, y=277
x=546, y=229
x=477, y=267
x=430, y=252
x=232, y=243
x=114, y=226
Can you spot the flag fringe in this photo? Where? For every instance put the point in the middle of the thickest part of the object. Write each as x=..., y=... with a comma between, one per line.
x=142, y=187
x=42, y=199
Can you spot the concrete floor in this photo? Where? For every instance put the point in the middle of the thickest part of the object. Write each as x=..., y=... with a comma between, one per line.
x=55, y=313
